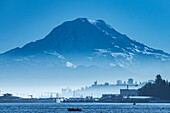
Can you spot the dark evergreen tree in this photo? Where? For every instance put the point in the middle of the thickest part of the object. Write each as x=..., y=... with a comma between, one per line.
x=160, y=89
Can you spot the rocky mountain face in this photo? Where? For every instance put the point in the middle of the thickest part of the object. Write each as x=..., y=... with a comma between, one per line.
x=85, y=43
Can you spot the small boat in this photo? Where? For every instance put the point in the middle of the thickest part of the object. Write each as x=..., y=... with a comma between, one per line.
x=73, y=109
x=134, y=103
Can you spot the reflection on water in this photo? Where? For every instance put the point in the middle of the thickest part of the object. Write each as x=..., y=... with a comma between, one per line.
x=85, y=107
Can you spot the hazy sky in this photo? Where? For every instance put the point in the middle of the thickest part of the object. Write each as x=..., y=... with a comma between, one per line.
x=22, y=21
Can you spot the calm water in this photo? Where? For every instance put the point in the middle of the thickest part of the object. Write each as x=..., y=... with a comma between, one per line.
x=86, y=108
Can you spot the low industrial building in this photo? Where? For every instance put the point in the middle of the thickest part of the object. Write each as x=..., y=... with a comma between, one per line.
x=111, y=98
x=128, y=92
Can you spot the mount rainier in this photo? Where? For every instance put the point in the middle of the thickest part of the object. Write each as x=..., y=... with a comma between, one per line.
x=84, y=43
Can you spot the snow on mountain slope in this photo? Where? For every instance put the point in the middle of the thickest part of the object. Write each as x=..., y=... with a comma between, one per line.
x=84, y=42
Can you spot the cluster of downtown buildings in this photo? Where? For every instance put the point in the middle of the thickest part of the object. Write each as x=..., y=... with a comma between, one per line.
x=97, y=90
x=120, y=92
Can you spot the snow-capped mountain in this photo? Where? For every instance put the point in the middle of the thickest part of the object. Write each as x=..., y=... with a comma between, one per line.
x=84, y=42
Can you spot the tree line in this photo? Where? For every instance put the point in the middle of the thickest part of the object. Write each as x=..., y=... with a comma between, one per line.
x=160, y=89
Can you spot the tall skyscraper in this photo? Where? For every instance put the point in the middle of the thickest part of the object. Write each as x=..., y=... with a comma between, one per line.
x=130, y=81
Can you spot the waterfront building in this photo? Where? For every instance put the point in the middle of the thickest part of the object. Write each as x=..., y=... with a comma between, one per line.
x=8, y=96
x=111, y=98
x=128, y=92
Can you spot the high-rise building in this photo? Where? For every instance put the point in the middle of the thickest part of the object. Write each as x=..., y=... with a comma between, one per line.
x=95, y=83
x=124, y=82
x=119, y=82
x=106, y=84
x=130, y=81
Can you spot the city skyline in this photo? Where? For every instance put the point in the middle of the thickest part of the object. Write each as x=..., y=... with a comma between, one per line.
x=58, y=91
